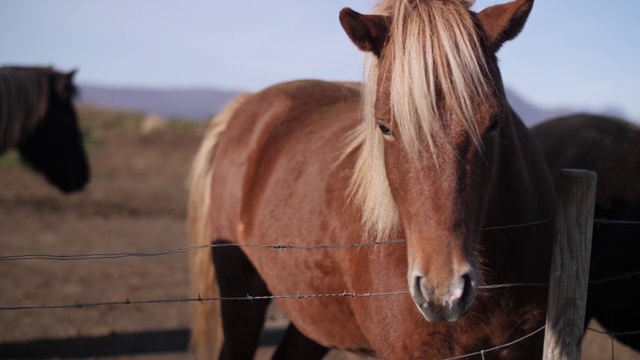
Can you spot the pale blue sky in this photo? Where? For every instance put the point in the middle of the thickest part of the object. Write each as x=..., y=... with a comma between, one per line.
x=583, y=53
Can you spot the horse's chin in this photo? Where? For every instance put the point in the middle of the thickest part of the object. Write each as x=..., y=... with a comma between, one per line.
x=436, y=314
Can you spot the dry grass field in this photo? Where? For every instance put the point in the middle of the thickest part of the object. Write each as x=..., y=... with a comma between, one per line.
x=134, y=203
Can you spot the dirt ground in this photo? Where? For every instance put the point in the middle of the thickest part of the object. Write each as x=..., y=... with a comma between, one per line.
x=134, y=203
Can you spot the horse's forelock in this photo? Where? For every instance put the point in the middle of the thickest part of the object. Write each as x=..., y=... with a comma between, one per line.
x=436, y=59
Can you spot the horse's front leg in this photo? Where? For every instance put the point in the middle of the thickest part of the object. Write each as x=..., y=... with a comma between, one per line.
x=296, y=345
x=242, y=320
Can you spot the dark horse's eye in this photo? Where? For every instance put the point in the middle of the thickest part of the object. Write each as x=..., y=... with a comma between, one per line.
x=494, y=126
x=384, y=128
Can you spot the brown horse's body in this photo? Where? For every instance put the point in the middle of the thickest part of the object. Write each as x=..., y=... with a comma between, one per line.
x=278, y=183
x=275, y=168
x=611, y=148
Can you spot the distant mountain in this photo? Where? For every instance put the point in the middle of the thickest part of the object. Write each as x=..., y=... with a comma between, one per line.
x=190, y=104
x=200, y=104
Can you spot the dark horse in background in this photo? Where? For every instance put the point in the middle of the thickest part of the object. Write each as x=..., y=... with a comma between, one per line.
x=611, y=148
x=37, y=118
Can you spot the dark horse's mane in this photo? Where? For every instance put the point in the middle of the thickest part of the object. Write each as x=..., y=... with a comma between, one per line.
x=24, y=97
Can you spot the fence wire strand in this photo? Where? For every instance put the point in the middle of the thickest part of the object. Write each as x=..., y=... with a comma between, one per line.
x=605, y=222
x=180, y=250
x=248, y=297
x=200, y=299
x=614, y=278
x=482, y=352
x=614, y=333
x=103, y=256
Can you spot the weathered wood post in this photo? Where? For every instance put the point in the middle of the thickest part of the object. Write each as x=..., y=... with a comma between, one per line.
x=570, y=265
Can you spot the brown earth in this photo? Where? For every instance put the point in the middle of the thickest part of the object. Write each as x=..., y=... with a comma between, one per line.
x=134, y=203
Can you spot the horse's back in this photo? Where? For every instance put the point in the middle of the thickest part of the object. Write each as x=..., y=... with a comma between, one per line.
x=603, y=144
x=278, y=134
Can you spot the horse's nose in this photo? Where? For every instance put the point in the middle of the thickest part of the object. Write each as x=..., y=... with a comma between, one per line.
x=445, y=303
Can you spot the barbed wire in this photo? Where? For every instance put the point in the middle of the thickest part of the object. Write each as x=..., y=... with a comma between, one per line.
x=613, y=333
x=504, y=227
x=612, y=336
x=500, y=286
x=103, y=256
x=257, y=298
x=98, y=256
x=200, y=299
x=248, y=297
x=482, y=352
x=297, y=296
x=179, y=250
x=614, y=278
x=603, y=221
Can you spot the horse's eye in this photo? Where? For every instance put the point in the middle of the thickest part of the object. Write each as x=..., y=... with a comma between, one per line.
x=494, y=126
x=384, y=128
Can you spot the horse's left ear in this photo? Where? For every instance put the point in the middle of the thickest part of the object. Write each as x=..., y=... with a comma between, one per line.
x=504, y=22
x=71, y=74
x=368, y=32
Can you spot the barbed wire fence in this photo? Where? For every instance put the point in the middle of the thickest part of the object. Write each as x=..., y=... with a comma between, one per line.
x=300, y=296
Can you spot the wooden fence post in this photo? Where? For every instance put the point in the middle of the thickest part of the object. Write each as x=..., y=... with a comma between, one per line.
x=569, y=278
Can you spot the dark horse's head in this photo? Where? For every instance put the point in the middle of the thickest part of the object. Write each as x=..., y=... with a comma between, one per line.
x=50, y=140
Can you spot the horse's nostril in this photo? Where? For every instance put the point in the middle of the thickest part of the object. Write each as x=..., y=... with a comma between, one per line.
x=418, y=291
x=467, y=289
x=467, y=280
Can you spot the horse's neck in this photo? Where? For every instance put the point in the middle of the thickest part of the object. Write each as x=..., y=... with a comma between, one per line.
x=524, y=187
x=523, y=193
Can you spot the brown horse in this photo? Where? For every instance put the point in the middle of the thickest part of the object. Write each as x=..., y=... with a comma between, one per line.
x=611, y=148
x=429, y=152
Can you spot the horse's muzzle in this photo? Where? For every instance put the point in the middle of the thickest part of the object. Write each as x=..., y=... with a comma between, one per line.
x=450, y=306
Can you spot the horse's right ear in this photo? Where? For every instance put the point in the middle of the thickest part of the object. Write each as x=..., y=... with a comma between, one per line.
x=503, y=22
x=368, y=32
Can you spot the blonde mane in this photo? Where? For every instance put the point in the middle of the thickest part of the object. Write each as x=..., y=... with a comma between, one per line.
x=437, y=62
